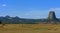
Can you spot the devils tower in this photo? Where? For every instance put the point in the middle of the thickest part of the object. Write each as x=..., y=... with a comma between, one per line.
x=52, y=17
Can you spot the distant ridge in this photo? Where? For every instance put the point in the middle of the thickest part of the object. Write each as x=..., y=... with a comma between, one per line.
x=16, y=20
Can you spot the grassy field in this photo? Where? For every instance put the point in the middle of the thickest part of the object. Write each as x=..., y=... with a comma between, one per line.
x=30, y=28
x=10, y=28
x=41, y=28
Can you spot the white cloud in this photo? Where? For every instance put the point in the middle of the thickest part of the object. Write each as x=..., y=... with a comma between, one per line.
x=55, y=9
x=3, y=4
x=37, y=14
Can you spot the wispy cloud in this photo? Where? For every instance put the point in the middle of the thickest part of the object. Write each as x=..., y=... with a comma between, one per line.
x=41, y=13
x=55, y=9
x=37, y=14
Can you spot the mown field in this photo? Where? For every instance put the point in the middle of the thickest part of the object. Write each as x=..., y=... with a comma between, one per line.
x=30, y=28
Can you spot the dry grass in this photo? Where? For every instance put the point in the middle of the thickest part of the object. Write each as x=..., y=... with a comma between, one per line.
x=30, y=28
x=10, y=28
x=41, y=28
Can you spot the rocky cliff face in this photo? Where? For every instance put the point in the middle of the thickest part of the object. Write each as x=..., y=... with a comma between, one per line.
x=52, y=17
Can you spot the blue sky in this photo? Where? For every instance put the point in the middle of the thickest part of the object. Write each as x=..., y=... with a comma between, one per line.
x=29, y=8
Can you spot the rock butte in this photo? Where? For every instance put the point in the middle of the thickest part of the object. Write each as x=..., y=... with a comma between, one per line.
x=52, y=17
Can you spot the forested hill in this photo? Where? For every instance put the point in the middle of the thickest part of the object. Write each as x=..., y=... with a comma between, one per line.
x=17, y=20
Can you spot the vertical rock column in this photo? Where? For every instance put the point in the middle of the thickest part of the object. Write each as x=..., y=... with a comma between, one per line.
x=51, y=17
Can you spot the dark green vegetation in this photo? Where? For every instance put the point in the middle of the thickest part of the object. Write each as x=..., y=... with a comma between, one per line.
x=16, y=20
